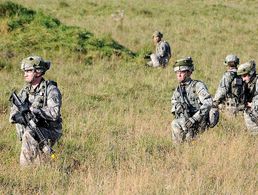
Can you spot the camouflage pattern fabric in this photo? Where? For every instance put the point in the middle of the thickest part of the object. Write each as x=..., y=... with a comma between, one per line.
x=251, y=126
x=252, y=93
x=46, y=102
x=230, y=93
x=162, y=55
x=200, y=102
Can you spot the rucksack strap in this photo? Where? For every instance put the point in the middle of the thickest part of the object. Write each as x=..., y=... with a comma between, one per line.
x=48, y=83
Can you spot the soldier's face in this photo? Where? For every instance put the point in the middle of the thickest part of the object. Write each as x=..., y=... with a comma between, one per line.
x=246, y=78
x=156, y=39
x=182, y=75
x=30, y=76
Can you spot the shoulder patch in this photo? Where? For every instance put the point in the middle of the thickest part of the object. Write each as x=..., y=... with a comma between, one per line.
x=55, y=99
x=204, y=93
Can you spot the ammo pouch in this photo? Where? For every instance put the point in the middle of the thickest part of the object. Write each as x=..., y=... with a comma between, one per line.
x=237, y=81
x=231, y=105
x=213, y=117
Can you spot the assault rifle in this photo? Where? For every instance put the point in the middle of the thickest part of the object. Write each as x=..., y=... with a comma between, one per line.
x=31, y=121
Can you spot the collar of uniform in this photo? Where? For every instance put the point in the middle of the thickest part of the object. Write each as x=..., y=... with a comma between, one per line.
x=159, y=42
x=186, y=82
x=232, y=70
x=32, y=90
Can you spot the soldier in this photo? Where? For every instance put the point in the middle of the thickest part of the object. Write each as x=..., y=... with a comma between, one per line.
x=163, y=51
x=44, y=101
x=191, y=103
x=230, y=93
x=248, y=73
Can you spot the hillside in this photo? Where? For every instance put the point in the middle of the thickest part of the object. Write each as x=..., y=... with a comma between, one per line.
x=116, y=112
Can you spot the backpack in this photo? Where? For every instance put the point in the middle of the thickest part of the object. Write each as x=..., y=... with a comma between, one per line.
x=168, y=49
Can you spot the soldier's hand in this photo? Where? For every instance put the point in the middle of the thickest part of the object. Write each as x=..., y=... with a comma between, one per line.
x=36, y=112
x=189, y=123
x=146, y=57
x=18, y=118
x=215, y=104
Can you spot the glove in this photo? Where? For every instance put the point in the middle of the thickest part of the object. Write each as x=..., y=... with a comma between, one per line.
x=215, y=104
x=189, y=123
x=146, y=57
x=18, y=118
x=37, y=113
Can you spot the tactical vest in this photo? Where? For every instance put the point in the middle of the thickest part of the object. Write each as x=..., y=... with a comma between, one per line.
x=235, y=94
x=38, y=98
x=193, y=104
x=190, y=98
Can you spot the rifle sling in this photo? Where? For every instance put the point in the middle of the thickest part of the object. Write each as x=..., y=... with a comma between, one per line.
x=184, y=96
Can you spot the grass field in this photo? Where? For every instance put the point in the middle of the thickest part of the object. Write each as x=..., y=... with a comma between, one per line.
x=116, y=112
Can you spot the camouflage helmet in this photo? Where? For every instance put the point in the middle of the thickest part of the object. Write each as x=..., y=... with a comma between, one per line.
x=184, y=64
x=35, y=63
x=231, y=60
x=247, y=68
x=157, y=34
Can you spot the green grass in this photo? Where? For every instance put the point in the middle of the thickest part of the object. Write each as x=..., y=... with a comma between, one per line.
x=116, y=112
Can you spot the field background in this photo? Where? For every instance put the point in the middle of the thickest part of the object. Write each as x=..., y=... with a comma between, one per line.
x=116, y=112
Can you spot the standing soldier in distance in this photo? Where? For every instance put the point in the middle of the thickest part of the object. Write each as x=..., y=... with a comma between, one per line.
x=230, y=93
x=44, y=100
x=248, y=72
x=163, y=51
x=191, y=103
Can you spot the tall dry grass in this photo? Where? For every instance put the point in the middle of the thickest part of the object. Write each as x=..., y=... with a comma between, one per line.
x=117, y=113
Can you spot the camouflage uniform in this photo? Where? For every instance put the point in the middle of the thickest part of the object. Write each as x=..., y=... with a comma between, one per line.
x=191, y=102
x=230, y=92
x=163, y=53
x=45, y=101
x=248, y=69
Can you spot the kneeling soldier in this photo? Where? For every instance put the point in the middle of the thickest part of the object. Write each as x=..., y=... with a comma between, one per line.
x=191, y=103
x=163, y=51
x=248, y=73
x=230, y=93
